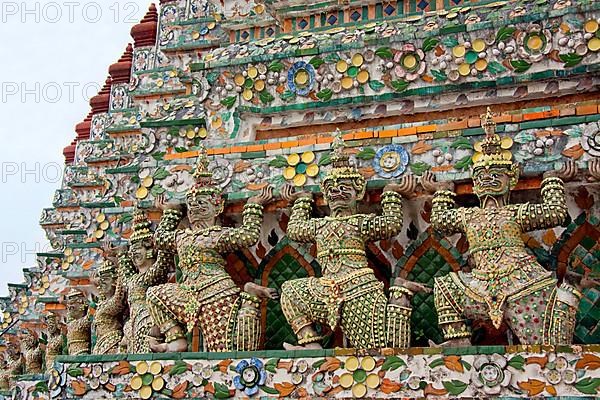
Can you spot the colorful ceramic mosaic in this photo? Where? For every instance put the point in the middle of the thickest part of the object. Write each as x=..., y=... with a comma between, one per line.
x=494, y=371
x=263, y=86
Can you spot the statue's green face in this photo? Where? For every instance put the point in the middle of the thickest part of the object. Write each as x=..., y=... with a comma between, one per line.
x=492, y=181
x=106, y=286
x=340, y=194
x=203, y=208
x=76, y=309
x=138, y=252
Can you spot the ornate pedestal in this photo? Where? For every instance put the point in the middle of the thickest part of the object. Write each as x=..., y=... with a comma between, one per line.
x=470, y=372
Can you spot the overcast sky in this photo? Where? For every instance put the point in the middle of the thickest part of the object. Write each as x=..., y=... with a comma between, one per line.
x=56, y=55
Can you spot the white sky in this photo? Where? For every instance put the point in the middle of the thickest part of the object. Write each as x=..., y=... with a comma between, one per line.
x=60, y=47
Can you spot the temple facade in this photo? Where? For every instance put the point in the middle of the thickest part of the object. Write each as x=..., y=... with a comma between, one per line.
x=305, y=155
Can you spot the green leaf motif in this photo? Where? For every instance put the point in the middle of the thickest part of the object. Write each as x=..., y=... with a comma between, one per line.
x=384, y=52
x=392, y=363
x=324, y=160
x=316, y=62
x=520, y=65
x=450, y=41
x=588, y=385
x=455, y=387
x=436, y=363
x=419, y=168
x=439, y=76
x=287, y=95
x=278, y=162
x=125, y=218
x=517, y=362
x=229, y=101
x=41, y=387
x=332, y=58
x=178, y=368
x=271, y=365
x=157, y=190
x=276, y=66
x=180, y=149
x=75, y=372
x=269, y=390
x=571, y=59
x=429, y=44
x=237, y=185
x=158, y=156
x=325, y=94
x=376, y=85
x=221, y=391
x=504, y=33
x=496, y=68
x=462, y=143
x=463, y=163
x=366, y=154
x=523, y=137
x=466, y=365
x=399, y=85
x=160, y=173
x=318, y=363
x=266, y=97
x=211, y=77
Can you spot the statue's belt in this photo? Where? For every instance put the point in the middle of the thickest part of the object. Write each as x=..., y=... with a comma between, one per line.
x=341, y=252
x=495, y=306
x=346, y=288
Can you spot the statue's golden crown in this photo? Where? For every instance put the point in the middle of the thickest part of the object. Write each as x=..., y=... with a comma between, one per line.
x=492, y=150
x=340, y=162
x=204, y=184
x=141, y=227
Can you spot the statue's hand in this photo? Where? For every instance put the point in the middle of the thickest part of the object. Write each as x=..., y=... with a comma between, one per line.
x=406, y=187
x=594, y=169
x=431, y=185
x=289, y=194
x=567, y=172
x=163, y=204
x=265, y=196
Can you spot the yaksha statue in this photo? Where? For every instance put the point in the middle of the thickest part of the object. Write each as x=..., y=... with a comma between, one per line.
x=506, y=283
x=109, y=313
x=55, y=340
x=141, y=268
x=79, y=324
x=13, y=367
x=348, y=294
x=33, y=354
x=229, y=319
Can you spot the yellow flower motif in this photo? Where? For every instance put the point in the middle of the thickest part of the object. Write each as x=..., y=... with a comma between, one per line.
x=69, y=259
x=354, y=72
x=506, y=144
x=23, y=303
x=251, y=80
x=299, y=167
x=147, y=379
x=360, y=376
x=6, y=320
x=146, y=182
x=102, y=227
x=44, y=284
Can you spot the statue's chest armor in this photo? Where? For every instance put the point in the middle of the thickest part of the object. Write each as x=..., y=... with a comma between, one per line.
x=344, y=234
x=136, y=290
x=492, y=228
x=198, y=253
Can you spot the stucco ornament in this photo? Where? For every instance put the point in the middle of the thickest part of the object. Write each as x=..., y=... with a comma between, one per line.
x=490, y=373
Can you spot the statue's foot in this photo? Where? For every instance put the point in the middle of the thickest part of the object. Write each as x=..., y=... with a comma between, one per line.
x=412, y=286
x=261, y=292
x=308, y=346
x=176, y=346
